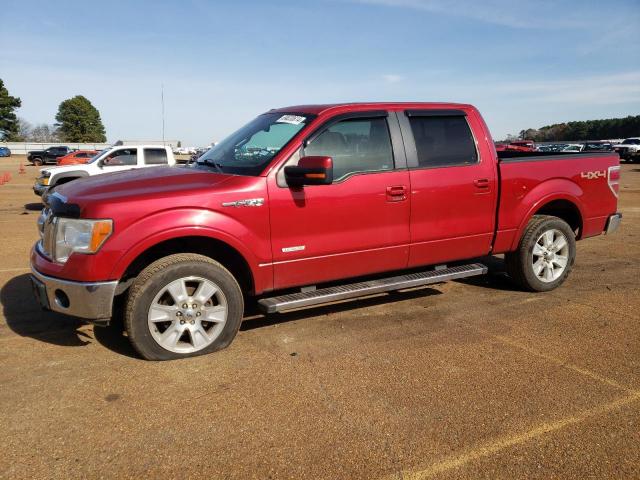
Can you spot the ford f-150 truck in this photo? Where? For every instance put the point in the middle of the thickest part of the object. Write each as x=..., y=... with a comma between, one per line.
x=50, y=155
x=111, y=160
x=312, y=204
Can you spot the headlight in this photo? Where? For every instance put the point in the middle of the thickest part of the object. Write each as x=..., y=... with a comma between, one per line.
x=44, y=178
x=79, y=235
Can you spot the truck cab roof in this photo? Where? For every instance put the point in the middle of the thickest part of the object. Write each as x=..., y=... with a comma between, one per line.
x=319, y=109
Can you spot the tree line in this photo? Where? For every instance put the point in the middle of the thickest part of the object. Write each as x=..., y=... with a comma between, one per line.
x=609, y=128
x=77, y=121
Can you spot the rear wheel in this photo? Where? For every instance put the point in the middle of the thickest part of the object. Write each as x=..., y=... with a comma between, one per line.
x=181, y=306
x=545, y=255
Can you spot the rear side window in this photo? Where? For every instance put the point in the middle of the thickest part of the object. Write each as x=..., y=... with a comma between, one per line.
x=355, y=145
x=155, y=156
x=443, y=141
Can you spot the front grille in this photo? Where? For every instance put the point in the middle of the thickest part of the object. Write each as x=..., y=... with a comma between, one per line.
x=47, y=230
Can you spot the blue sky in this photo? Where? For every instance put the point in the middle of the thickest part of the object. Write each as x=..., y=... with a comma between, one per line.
x=523, y=63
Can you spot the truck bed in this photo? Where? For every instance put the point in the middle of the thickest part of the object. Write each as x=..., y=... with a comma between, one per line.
x=515, y=156
x=532, y=179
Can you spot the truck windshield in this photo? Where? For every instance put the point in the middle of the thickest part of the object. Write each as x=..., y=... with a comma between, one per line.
x=631, y=141
x=250, y=149
x=97, y=155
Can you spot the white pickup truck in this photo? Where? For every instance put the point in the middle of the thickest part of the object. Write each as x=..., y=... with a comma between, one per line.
x=113, y=159
x=629, y=150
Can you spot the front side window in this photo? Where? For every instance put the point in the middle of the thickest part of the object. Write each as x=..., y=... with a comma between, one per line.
x=355, y=145
x=443, y=141
x=122, y=157
x=249, y=150
x=155, y=156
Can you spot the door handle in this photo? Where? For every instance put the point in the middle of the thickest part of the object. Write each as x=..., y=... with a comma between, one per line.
x=396, y=193
x=481, y=183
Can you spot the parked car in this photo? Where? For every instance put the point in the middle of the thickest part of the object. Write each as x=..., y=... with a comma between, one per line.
x=50, y=155
x=306, y=195
x=77, y=157
x=550, y=147
x=5, y=152
x=114, y=159
x=198, y=154
x=185, y=151
x=573, y=147
x=517, y=146
x=597, y=147
x=629, y=149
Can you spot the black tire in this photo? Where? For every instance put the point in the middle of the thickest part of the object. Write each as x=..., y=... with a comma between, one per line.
x=157, y=276
x=37, y=162
x=519, y=264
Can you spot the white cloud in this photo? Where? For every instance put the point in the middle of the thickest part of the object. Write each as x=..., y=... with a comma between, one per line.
x=528, y=14
x=600, y=89
x=392, y=78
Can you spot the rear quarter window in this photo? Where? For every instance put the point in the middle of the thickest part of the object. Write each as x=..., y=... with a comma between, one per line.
x=155, y=156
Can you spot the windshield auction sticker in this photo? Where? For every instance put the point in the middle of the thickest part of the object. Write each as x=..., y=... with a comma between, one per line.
x=292, y=119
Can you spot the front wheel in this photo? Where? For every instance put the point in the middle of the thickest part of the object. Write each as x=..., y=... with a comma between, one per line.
x=181, y=306
x=37, y=162
x=545, y=255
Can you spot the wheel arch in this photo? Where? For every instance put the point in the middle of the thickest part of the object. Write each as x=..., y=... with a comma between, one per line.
x=565, y=206
x=68, y=176
x=211, y=247
x=565, y=210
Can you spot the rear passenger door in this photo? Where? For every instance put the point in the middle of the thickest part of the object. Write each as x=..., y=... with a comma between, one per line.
x=453, y=185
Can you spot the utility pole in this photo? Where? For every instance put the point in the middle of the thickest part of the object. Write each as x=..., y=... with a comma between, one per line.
x=162, y=101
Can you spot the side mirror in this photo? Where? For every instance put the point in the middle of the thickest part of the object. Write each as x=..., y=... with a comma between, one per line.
x=310, y=171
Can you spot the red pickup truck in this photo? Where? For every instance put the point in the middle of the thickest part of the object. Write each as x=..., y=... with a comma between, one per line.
x=312, y=204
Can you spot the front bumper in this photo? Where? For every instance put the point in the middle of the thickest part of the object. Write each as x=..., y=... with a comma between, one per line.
x=613, y=222
x=90, y=300
x=40, y=189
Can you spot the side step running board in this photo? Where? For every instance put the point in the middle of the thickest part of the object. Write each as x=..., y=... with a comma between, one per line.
x=371, y=287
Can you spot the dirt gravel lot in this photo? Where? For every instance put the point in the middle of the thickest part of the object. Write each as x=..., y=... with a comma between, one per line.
x=470, y=379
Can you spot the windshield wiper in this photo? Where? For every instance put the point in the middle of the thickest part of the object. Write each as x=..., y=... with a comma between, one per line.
x=211, y=163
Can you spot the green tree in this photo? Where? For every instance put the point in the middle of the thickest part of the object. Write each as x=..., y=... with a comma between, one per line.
x=9, y=127
x=79, y=121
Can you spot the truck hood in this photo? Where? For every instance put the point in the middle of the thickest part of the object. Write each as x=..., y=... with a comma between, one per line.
x=63, y=169
x=147, y=183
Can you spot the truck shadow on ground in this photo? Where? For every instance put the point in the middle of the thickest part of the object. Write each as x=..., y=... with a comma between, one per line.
x=256, y=319
x=496, y=279
x=34, y=207
x=25, y=318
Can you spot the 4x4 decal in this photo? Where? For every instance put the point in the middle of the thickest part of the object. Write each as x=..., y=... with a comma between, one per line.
x=593, y=175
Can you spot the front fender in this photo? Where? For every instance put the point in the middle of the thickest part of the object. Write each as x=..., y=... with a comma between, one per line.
x=141, y=235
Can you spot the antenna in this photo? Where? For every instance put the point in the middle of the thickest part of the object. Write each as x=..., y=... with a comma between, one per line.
x=162, y=101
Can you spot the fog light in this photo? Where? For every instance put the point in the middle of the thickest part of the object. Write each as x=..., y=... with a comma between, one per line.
x=61, y=299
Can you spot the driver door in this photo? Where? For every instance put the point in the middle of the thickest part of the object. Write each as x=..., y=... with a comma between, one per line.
x=121, y=159
x=355, y=226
